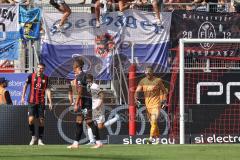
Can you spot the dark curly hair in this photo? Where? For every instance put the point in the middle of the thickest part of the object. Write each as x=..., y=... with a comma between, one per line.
x=78, y=62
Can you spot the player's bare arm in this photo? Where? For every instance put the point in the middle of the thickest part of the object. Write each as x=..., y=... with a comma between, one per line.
x=49, y=95
x=70, y=97
x=79, y=97
x=100, y=102
x=24, y=93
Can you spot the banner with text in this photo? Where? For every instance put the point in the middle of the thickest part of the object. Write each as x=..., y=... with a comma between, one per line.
x=60, y=124
x=212, y=123
x=186, y=24
x=139, y=139
x=115, y=40
x=9, y=32
x=211, y=105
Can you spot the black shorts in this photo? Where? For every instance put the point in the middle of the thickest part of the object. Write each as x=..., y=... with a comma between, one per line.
x=36, y=110
x=56, y=3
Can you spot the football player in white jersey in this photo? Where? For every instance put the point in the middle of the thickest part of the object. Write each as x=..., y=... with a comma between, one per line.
x=98, y=108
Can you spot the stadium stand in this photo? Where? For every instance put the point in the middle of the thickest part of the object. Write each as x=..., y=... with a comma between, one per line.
x=225, y=121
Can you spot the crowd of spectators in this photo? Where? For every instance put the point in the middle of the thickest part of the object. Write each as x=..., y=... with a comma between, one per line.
x=231, y=5
x=23, y=2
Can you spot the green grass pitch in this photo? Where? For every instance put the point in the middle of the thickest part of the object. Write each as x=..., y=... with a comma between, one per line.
x=122, y=152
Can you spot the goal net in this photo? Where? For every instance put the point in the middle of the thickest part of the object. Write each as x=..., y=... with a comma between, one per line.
x=205, y=91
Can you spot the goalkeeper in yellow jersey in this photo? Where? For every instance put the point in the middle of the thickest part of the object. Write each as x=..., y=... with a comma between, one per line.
x=155, y=98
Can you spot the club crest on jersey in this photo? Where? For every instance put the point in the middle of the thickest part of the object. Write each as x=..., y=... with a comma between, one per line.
x=104, y=45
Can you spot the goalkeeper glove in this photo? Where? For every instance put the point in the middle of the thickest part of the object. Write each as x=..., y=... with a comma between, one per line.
x=164, y=103
x=138, y=103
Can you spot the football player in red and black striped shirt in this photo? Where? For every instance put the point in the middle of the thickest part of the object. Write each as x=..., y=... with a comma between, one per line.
x=38, y=83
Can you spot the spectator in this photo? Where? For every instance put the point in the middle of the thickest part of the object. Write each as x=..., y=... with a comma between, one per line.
x=98, y=5
x=213, y=5
x=4, y=1
x=236, y=5
x=97, y=12
x=5, y=97
x=209, y=1
x=174, y=1
x=124, y=4
x=36, y=109
x=155, y=98
x=222, y=2
x=61, y=6
x=156, y=7
x=106, y=5
x=22, y=2
x=179, y=6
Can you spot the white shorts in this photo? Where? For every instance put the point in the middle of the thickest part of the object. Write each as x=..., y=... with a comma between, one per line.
x=98, y=115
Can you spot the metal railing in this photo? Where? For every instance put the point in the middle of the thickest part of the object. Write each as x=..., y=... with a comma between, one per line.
x=121, y=98
x=208, y=7
x=207, y=64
